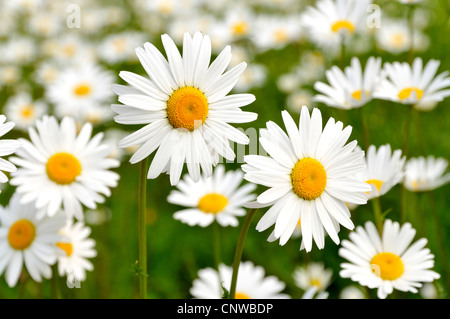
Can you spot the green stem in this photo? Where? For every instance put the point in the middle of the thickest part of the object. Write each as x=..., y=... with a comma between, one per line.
x=239, y=249
x=142, y=193
x=377, y=213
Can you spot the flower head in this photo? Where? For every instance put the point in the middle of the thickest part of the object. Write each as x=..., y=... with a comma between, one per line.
x=352, y=88
x=425, y=173
x=388, y=261
x=252, y=283
x=310, y=173
x=60, y=169
x=28, y=241
x=218, y=197
x=414, y=84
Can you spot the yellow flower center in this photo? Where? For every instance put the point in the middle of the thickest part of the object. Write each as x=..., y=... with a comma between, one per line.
x=343, y=24
x=387, y=266
x=308, y=178
x=240, y=295
x=63, y=168
x=27, y=110
x=315, y=282
x=69, y=50
x=375, y=182
x=212, y=203
x=415, y=184
x=82, y=89
x=357, y=95
x=119, y=44
x=21, y=234
x=67, y=247
x=240, y=28
x=187, y=107
x=406, y=93
x=398, y=39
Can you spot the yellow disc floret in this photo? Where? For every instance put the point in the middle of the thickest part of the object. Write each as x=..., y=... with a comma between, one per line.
x=82, y=89
x=240, y=28
x=27, y=110
x=406, y=93
x=21, y=234
x=308, y=178
x=212, y=203
x=187, y=108
x=375, y=182
x=63, y=168
x=387, y=266
x=343, y=24
x=240, y=295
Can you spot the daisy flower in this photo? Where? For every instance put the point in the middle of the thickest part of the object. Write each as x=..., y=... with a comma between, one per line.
x=310, y=175
x=425, y=173
x=312, y=275
x=332, y=21
x=352, y=88
x=25, y=239
x=23, y=111
x=74, y=250
x=252, y=283
x=389, y=261
x=217, y=197
x=7, y=147
x=384, y=169
x=414, y=84
x=395, y=37
x=78, y=87
x=185, y=107
x=275, y=32
x=59, y=168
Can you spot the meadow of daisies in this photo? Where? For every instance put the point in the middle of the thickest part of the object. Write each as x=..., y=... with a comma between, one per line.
x=258, y=149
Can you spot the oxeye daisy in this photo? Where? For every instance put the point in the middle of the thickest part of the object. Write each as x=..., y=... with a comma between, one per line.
x=184, y=106
x=218, y=197
x=75, y=249
x=23, y=111
x=24, y=239
x=310, y=174
x=414, y=84
x=330, y=22
x=384, y=169
x=350, y=88
x=59, y=168
x=389, y=261
x=425, y=173
x=7, y=147
x=252, y=283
